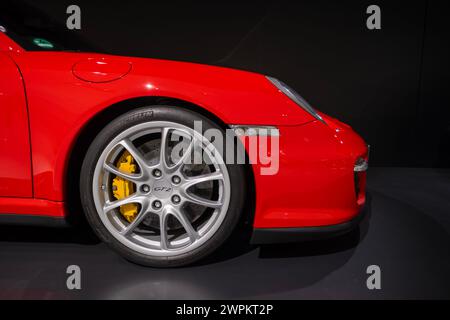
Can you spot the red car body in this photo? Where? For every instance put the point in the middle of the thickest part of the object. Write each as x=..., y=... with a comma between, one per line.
x=48, y=98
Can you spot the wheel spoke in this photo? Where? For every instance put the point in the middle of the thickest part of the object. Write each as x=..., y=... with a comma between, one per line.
x=191, y=181
x=187, y=225
x=163, y=230
x=135, y=153
x=115, y=171
x=163, y=151
x=186, y=155
x=115, y=204
x=136, y=222
x=202, y=201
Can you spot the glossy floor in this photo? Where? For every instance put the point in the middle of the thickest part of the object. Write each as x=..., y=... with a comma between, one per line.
x=406, y=232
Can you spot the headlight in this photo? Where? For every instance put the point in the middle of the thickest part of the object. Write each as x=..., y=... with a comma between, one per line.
x=294, y=96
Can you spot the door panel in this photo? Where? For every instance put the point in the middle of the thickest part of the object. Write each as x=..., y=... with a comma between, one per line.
x=15, y=159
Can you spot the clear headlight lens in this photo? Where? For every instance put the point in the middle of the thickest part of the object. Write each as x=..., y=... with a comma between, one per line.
x=294, y=96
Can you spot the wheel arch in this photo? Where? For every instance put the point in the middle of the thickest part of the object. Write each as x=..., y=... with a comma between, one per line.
x=99, y=120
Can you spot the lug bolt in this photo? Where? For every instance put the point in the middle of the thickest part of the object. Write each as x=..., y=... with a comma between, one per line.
x=145, y=188
x=157, y=173
x=157, y=204
x=176, y=179
x=176, y=199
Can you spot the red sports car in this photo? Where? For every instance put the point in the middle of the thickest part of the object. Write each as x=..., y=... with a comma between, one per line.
x=136, y=144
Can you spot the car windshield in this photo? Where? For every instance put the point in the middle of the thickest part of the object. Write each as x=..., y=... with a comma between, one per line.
x=34, y=31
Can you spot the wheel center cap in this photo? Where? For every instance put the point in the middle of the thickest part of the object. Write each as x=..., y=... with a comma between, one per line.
x=162, y=189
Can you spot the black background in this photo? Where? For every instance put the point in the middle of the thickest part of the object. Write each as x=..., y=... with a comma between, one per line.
x=391, y=85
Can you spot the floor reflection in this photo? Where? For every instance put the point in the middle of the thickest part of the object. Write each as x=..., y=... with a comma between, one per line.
x=399, y=233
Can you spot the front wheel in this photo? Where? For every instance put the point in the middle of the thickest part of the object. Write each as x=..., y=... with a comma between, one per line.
x=157, y=191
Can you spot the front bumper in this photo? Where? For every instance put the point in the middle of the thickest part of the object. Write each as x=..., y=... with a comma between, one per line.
x=316, y=184
x=291, y=235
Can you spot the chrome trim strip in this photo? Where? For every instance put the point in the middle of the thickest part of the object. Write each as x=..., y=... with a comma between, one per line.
x=251, y=130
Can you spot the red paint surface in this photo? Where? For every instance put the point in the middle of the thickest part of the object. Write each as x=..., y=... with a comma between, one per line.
x=15, y=161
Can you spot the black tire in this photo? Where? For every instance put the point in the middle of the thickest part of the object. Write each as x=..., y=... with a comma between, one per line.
x=148, y=114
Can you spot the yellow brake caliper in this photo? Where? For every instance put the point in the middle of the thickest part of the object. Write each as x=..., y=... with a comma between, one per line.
x=122, y=188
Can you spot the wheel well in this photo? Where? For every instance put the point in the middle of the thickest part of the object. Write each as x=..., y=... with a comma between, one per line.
x=99, y=121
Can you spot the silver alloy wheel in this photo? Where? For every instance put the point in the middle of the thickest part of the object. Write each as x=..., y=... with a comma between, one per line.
x=163, y=190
